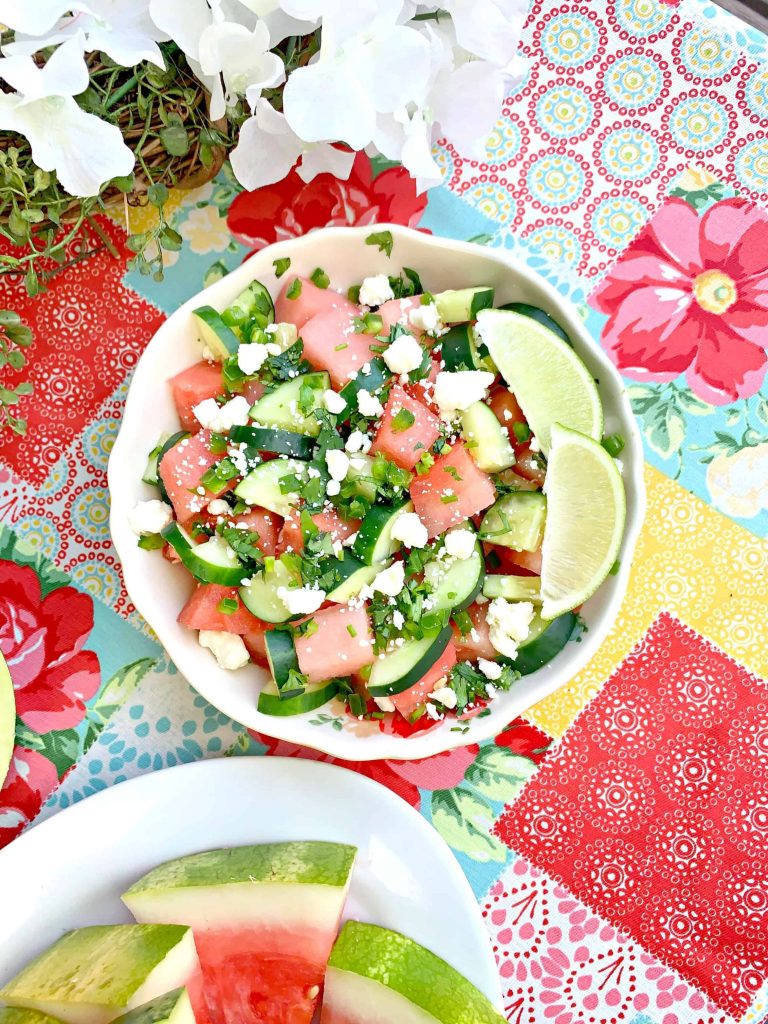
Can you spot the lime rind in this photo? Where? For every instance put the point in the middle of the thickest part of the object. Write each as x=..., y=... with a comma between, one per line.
x=548, y=379
x=586, y=511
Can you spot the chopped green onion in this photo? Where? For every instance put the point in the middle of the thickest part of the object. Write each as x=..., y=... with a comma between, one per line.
x=521, y=431
x=453, y=472
x=294, y=289
x=425, y=463
x=448, y=499
x=151, y=541
x=320, y=278
x=310, y=627
x=402, y=420
x=382, y=240
x=368, y=323
x=614, y=445
x=356, y=704
x=269, y=564
x=341, y=347
x=463, y=622
x=228, y=605
x=281, y=265
x=351, y=630
x=353, y=293
x=417, y=713
x=217, y=444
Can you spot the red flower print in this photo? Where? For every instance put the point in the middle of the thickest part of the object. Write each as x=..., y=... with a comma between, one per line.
x=292, y=207
x=690, y=295
x=42, y=640
x=31, y=778
x=443, y=771
x=522, y=738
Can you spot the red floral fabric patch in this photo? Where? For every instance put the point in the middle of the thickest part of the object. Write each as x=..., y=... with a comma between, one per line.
x=653, y=810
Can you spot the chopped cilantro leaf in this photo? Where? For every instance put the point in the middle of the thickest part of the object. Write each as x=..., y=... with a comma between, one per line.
x=215, y=478
x=319, y=278
x=382, y=240
x=281, y=265
x=245, y=545
x=151, y=541
x=294, y=289
x=469, y=684
x=402, y=420
x=521, y=431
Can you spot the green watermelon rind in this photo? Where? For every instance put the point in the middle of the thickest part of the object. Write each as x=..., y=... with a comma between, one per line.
x=309, y=863
x=102, y=964
x=23, y=1015
x=156, y=1011
x=400, y=964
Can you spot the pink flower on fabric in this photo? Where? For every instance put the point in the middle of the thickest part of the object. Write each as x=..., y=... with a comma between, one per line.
x=690, y=295
x=31, y=779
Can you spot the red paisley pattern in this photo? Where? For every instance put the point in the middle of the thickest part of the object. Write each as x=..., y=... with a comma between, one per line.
x=653, y=810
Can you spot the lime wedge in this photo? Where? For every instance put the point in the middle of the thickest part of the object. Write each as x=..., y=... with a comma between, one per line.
x=7, y=718
x=548, y=379
x=586, y=508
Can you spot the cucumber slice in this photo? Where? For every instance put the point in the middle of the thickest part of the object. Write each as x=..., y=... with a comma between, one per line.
x=360, y=477
x=283, y=335
x=313, y=697
x=457, y=305
x=282, y=660
x=374, y=540
x=259, y=595
x=213, y=332
x=214, y=561
x=172, y=441
x=538, y=314
x=460, y=350
x=545, y=640
x=378, y=374
x=513, y=588
x=254, y=304
x=406, y=665
x=280, y=408
x=353, y=575
x=282, y=442
x=487, y=440
x=456, y=582
x=262, y=485
x=516, y=521
x=150, y=474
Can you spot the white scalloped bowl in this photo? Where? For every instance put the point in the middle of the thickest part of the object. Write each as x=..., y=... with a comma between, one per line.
x=160, y=589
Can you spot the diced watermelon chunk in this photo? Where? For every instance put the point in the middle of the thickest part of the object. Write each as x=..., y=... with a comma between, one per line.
x=395, y=311
x=202, y=611
x=405, y=447
x=266, y=524
x=519, y=563
x=476, y=643
x=182, y=469
x=310, y=301
x=472, y=489
x=505, y=407
x=255, y=641
x=410, y=699
x=194, y=385
x=342, y=644
x=323, y=337
x=253, y=390
x=329, y=521
x=529, y=465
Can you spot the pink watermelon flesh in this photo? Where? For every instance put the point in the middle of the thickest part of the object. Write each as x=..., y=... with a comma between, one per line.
x=202, y=611
x=474, y=491
x=194, y=385
x=323, y=337
x=182, y=469
x=396, y=312
x=410, y=699
x=310, y=301
x=333, y=650
x=405, y=447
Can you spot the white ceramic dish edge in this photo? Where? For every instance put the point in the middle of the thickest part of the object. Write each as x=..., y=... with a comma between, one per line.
x=159, y=589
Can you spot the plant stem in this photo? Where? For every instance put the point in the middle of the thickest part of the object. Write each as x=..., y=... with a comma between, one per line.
x=97, y=230
x=121, y=91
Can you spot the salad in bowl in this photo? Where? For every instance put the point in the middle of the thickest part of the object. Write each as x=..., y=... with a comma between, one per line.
x=384, y=501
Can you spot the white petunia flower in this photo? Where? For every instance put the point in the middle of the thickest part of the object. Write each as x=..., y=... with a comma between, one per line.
x=243, y=59
x=123, y=29
x=40, y=16
x=489, y=29
x=267, y=150
x=84, y=151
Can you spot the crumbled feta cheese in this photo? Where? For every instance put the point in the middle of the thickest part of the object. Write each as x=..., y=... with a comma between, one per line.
x=355, y=441
x=332, y=488
x=273, y=349
x=369, y=405
x=432, y=712
x=222, y=418
x=384, y=703
x=404, y=354
x=228, y=648
x=508, y=624
x=458, y=390
x=444, y=695
x=337, y=462
x=398, y=619
x=390, y=581
x=375, y=290
x=333, y=402
x=460, y=543
x=149, y=517
x=251, y=358
x=490, y=669
x=350, y=540
x=534, y=445
x=409, y=529
x=301, y=600
x=426, y=317
x=208, y=355
x=217, y=507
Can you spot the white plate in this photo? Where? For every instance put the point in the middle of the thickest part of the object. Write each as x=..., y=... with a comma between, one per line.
x=70, y=870
x=159, y=589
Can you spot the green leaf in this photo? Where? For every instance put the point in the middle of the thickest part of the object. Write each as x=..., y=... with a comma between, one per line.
x=499, y=774
x=382, y=240
x=464, y=820
x=642, y=398
x=157, y=194
x=761, y=411
x=62, y=748
x=664, y=429
x=693, y=404
x=118, y=690
x=215, y=273
x=175, y=139
x=9, y=318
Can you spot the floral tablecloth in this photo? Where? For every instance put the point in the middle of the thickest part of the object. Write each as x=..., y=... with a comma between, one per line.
x=621, y=870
